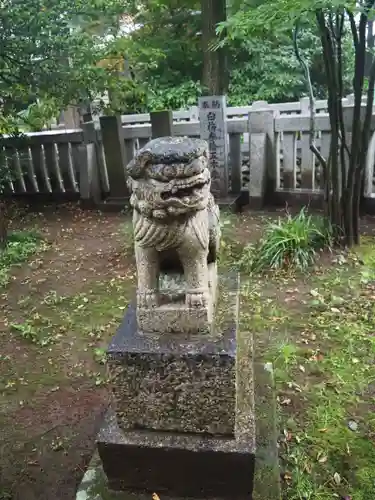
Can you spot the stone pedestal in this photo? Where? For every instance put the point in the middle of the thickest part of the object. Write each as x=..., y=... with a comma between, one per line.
x=183, y=417
x=173, y=316
x=176, y=464
x=163, y=383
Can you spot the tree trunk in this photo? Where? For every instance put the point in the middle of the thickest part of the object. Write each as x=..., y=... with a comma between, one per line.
x=3, y=224
x=356, y=204
x=215, y=72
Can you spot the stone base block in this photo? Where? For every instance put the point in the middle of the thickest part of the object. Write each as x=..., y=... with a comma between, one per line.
x=173, y=316
x=266, y=483
x=176, y=464
x=178, y=383
x=199, y=466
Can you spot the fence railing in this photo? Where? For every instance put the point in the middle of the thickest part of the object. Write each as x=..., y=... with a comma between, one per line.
x=264, y=143
x=235, y=112
x=44, y=162
x=296, y=166
x=55, y=163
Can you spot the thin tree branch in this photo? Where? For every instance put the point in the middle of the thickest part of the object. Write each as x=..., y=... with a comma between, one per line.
x=366, y=131
x=343, y=146
x=358, y=89
x=330, y=62
x=306, y=70
x=353, y=28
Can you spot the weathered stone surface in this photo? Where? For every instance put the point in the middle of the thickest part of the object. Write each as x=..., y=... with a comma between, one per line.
x=167, y=317
x=267, y=485
x=176, y=464
x=213, y=128
x=168, y=150
x=258, y=166
x=259, y=411
x=171, y=382
x=196, y=320
x=175, y=218
x=176, y=460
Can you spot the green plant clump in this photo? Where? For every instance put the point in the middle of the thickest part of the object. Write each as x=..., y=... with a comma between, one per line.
x=291, y=242
x=20, y=246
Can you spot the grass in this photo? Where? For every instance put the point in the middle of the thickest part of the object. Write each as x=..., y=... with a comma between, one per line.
x=323, y=352
x=292, y=241
x=21, y=245
x=82, y=323
x=318, y=330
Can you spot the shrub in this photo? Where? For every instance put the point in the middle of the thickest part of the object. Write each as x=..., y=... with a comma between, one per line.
x=290, y=242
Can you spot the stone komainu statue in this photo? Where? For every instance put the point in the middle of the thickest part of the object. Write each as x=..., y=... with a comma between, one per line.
x=175, y=218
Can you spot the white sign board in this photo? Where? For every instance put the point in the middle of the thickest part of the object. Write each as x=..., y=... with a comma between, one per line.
x=213, y=129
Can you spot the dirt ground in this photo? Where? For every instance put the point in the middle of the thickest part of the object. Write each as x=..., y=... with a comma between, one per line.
x=51, y=403
x=53, y=394
x=48, y=432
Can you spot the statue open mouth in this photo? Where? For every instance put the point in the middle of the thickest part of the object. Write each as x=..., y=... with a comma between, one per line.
x=170, y=178
x=184, y=191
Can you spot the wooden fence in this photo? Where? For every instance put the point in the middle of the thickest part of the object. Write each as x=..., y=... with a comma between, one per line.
x=68, y=163
x=236, y=112
x=44, y=162
x=89, y=162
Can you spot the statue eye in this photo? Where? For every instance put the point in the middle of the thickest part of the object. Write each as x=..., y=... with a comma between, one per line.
x=156, y=171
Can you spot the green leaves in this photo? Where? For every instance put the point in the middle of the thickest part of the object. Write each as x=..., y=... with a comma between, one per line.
x=20, y=247
x=274, y=15
x=291, y=242
x=50, y=51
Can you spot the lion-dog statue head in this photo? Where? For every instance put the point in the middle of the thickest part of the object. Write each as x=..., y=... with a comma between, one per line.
x=169, y=177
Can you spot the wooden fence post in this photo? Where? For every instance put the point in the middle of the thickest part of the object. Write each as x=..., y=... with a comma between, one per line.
x=89, y=180
x=262, y=120
x=161, y=124
x=307, y=156
x=194, y=113
x=114, y=151
x=235, y=163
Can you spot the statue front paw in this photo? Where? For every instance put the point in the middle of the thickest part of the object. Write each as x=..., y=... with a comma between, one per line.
x=197, y=298
x=147, y=300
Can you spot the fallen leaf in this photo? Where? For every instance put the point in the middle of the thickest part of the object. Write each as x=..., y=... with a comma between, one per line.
x=353, y=426
x=335, y=310
x=337, y=478
x=285, y=402
x=288, y=435
x=155, y=496
x=287, y=476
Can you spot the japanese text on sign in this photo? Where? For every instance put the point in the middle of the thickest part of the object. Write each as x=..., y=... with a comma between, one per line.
x=213, y=130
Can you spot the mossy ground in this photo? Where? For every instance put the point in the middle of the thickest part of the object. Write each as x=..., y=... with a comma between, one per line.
x=319, y=332
x=61, y=308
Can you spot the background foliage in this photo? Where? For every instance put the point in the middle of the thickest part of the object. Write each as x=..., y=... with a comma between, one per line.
x=56, y=53
x=165, y=51
x=49, y=55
